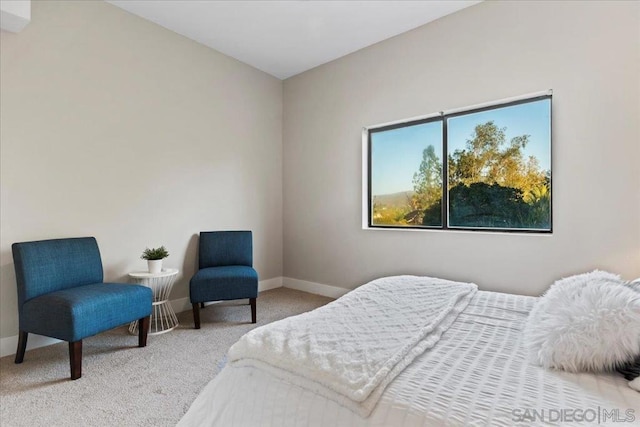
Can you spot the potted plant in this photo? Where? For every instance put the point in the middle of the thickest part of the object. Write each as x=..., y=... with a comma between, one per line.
x=154, y=258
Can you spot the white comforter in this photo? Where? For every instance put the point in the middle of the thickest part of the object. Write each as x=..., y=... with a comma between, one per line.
x=352, y=348
x=477, y=374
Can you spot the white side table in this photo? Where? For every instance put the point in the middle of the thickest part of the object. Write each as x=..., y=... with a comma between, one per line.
x=163, y=318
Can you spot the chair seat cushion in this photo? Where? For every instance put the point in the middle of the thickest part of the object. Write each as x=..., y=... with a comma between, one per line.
x=76, y=313
x=223, y=283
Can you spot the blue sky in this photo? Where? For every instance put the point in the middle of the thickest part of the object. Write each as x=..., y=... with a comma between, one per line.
x=396, y=154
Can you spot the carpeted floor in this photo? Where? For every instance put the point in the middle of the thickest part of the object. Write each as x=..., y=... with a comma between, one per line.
x=123, y=385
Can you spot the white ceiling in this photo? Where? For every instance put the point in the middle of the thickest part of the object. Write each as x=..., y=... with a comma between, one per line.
x=284, y=38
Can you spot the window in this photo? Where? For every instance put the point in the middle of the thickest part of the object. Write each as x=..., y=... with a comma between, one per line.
x=497, y=174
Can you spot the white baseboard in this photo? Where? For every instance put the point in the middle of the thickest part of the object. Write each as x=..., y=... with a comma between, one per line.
x=181, y=304
x=8, y=345
x=265, y=285
x=314, y=288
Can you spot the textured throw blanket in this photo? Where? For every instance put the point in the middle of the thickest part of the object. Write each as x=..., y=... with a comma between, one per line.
x=352, y=348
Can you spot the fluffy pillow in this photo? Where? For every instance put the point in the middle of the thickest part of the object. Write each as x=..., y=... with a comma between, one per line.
x=587, y=322
x=631, y=370
x=634, y=284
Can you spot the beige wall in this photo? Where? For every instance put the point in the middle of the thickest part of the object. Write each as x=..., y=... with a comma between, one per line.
x=587, y=52
x=114, y=127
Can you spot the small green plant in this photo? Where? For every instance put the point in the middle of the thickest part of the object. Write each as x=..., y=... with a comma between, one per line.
x=155, y=253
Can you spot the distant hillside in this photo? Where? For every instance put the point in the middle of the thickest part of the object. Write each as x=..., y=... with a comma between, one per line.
x=393, y=199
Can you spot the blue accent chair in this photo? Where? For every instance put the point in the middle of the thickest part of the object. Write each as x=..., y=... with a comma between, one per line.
x=225, y=272
x=61, y=295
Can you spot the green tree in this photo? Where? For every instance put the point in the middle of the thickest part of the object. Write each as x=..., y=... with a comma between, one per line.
x=433, y=214
x=485, y=205
x=488, y=158
x=389, y=214
x=492, y=185
x=427, y=185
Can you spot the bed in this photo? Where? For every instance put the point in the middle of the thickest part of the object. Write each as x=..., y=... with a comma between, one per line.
x=476, y=372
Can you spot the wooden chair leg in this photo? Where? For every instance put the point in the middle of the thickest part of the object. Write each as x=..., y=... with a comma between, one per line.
x=196, y=315
x=143, y=331
x=22, y=346
x=252, y=301
x=75, y=358
x=201, y=305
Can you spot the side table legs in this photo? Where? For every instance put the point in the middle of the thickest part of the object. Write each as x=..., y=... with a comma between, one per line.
x=163, y=319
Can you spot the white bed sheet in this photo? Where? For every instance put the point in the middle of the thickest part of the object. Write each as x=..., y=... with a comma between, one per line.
x=476, y=375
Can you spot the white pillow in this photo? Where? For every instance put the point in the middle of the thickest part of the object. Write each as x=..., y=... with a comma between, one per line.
x=587, y=322
x=634, y=284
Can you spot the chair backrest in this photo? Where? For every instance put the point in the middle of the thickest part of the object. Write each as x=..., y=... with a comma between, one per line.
x=50, y=265
x=222, y=248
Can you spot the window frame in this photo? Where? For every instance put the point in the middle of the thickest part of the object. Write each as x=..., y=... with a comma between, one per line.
x=443, y=118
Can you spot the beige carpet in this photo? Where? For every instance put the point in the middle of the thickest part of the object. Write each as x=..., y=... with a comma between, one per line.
x=123, y=385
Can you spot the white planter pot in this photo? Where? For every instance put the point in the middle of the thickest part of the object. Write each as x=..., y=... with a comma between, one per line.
x=155, y=265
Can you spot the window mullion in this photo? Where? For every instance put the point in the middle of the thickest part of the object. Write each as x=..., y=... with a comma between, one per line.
x=445, y=176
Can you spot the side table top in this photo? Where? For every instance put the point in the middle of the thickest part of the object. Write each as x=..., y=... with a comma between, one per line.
x=166, y=272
